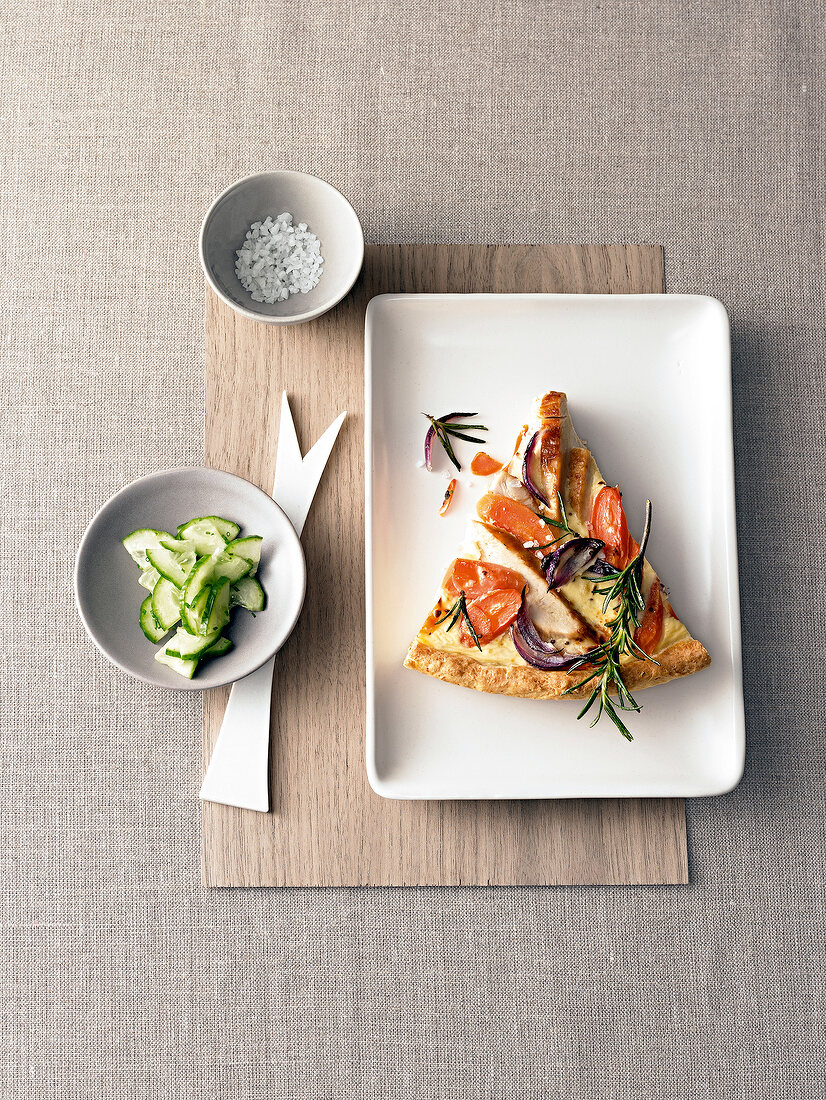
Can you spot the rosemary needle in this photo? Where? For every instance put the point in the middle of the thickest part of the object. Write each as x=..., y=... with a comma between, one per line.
x=459, y=610
x=559, y=525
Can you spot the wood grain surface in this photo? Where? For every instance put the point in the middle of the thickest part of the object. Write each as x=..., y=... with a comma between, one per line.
x=327, y=827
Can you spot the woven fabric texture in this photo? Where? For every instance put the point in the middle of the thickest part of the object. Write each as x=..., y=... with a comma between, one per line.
x=695, y=126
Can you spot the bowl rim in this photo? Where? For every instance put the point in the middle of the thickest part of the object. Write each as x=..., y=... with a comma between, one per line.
x=188, y=685
x=297, y=318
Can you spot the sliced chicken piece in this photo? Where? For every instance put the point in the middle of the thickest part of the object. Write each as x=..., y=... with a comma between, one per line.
x=552, y=446
x=580, y=487
x=554, y=618
x=509, y=486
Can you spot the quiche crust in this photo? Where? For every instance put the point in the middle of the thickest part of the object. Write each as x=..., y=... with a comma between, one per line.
x=681, y=659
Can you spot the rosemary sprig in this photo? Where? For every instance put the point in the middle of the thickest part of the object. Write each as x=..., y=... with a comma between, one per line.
x=560, y=525
x=625, y=590
x=459, y=610
x=444, y=429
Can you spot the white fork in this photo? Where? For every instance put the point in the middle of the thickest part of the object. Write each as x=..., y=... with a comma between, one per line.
x=237, y=773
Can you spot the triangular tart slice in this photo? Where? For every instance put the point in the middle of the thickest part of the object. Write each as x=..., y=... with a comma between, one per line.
x=550, y=518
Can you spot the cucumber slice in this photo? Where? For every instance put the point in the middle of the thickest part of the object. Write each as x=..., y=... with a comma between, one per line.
x=187, y=646
x=196, y=582
x=149, y=578
x=247, y=593
x=209, y=533
x=249, y=548
x=218, y=566
x=231, y=567
x=219, y=648
x=149, y=624
x=217, y=615
x=180, y=546
x=145, y=538
x=210, y=612
x=175, y=567
x=193, y=591
x=166, y=603
x=194, y=617
x=185, y=668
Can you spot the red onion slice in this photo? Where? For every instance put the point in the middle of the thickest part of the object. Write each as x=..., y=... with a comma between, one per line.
x=602, y=568
x=428, y=447
x=569, y=560
x=528, y=464
x=535, y=651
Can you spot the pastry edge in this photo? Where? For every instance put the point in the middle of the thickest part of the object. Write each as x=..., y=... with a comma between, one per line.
x=681, y=659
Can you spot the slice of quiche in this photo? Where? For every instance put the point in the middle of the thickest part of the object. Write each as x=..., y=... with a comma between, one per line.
x=551, y=587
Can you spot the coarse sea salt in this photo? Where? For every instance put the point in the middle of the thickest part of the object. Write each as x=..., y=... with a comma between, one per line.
x=279, y=258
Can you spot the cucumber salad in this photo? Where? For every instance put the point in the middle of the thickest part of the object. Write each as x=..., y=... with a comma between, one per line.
x=194, y=578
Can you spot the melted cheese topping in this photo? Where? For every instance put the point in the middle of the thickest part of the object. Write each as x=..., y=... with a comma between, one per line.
x=501, y=651
x=673, y=632
x=581, y=596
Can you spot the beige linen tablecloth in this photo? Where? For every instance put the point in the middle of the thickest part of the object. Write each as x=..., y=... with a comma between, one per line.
x=445, y=121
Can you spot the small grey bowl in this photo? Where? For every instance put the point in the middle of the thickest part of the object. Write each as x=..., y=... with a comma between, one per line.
x=309, y=199
x=108, y=595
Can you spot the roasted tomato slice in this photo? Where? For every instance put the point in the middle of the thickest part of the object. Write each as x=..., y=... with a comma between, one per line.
x=520, y=439
x=491, y=615
x=649, y=632
x=451, y=489
x=483, y=465
x=609, y=524
x=515, y=518
x=476, y=578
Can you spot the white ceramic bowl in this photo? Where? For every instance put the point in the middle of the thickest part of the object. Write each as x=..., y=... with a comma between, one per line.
x=309, y=199
x=108, y=595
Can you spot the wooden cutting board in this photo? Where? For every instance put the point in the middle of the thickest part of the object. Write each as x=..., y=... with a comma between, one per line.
x=327, y=827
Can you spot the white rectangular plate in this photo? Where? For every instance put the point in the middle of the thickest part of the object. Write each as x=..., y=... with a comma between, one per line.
x=648, y=379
